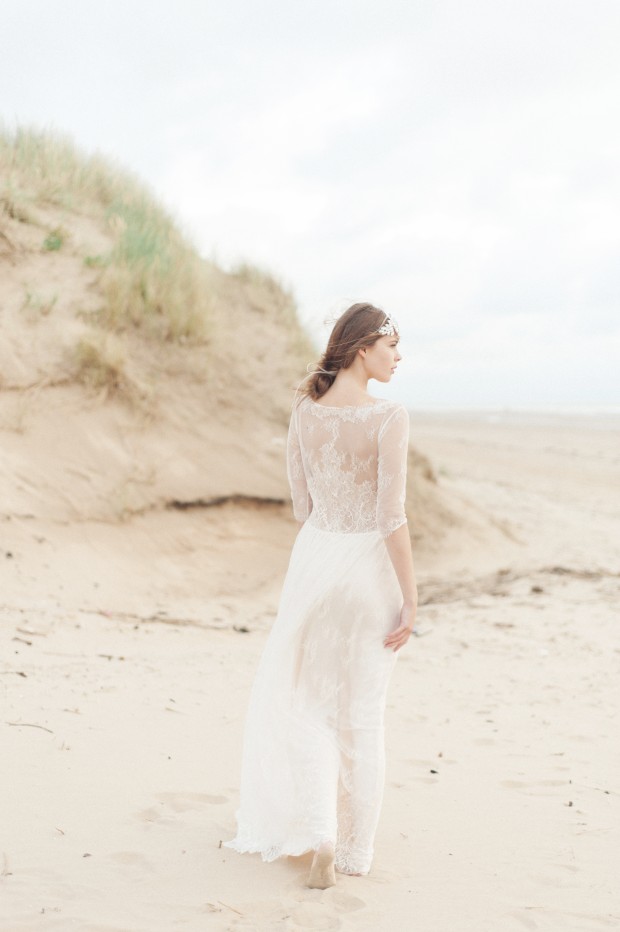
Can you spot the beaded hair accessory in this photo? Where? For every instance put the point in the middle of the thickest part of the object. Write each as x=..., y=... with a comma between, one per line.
x=388, y=327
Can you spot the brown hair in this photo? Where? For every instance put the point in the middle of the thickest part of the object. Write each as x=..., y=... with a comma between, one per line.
x=354, y=329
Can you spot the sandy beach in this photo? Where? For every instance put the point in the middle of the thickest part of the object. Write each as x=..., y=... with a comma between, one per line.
x=128, y=654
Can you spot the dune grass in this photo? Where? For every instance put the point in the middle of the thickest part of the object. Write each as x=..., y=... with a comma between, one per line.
x=101, y=362
x=150, y=296
x=151, y=277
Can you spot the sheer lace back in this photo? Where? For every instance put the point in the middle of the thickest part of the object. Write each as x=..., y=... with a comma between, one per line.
x=347, y=466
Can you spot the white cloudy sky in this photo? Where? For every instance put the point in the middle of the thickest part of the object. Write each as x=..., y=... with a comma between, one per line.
x=455, y=161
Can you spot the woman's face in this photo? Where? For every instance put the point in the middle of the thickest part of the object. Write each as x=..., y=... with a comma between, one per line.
x=382, y=358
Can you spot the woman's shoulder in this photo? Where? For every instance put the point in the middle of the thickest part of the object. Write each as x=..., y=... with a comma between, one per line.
x=392, y=408
x=392, y=405
x=382, y=408
x=300, y=399
x=395, y=418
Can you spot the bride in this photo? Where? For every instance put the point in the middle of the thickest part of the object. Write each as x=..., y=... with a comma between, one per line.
x=313, y=749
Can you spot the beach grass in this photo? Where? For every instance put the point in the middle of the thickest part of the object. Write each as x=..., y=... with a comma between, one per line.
x=100, y=248
x=151, y=277
x=101, y=361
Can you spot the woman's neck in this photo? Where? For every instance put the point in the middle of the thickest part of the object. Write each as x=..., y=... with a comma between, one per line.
x=349, y=387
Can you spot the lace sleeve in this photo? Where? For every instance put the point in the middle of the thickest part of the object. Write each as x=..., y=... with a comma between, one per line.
x=392, y=471
x=302, y=503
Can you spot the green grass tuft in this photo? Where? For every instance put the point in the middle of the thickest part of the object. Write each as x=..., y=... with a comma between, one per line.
x=54, y=240
x=152, y=277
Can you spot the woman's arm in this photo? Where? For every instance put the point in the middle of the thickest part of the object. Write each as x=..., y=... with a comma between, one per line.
x=399, y=549
x=393, y=447
x=300, y=495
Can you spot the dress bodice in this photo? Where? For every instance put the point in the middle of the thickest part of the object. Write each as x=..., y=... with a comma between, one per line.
x=347, y=466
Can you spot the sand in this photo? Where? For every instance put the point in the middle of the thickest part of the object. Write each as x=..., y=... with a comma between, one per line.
x=127, y=657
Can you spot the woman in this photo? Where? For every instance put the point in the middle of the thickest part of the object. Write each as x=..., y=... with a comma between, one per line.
x=313, y=753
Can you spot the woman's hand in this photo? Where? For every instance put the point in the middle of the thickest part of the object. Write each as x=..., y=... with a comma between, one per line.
x=399, y=637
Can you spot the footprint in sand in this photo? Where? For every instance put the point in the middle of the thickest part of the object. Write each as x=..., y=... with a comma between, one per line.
x=178, y=802
x=317, y=908
x=316, y=916
x=184, y=802
x=149, y=815
x=346, y=903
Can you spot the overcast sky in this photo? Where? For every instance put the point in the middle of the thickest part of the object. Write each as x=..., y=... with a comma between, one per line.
x=455, y=162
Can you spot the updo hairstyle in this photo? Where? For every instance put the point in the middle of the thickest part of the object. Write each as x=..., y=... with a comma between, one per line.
x=355, y=328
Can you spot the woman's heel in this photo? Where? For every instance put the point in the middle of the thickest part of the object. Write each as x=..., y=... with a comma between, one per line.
x=322, y=873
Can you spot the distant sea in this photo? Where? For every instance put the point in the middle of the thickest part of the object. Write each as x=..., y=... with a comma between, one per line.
x=580, y=417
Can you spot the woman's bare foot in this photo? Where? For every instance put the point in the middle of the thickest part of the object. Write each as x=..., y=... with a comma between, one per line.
x=322, y=874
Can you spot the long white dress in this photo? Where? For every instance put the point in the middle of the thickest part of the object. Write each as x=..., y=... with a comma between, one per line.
x=313, y=749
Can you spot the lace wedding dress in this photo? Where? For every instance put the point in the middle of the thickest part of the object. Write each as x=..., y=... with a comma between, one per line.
x=313, y=749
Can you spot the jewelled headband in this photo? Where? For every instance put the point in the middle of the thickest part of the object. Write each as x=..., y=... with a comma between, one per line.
x=388, y=327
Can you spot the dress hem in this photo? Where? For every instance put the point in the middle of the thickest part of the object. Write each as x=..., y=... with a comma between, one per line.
x=274, y=852
x=270, y=853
